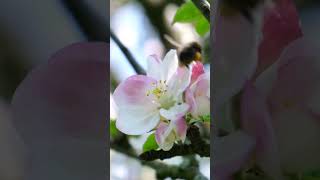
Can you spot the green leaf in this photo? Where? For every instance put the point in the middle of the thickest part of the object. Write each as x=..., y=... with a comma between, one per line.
x=205, y=118
x=150, y=143
x=189, y=13
x=113, y=129
x=202, y=27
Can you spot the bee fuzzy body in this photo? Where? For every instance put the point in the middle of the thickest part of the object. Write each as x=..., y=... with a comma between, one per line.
x=186, y=53
x=190, y=53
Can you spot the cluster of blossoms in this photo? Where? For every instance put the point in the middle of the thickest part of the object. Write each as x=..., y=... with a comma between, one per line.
x=276, y=73
x=161, y=99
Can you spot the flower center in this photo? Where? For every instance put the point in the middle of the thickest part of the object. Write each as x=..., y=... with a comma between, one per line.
x=159, y=91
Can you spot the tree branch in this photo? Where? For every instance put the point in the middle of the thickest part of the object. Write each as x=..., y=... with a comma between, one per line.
x=188, y=170
x=127, y=53
x=92, y=25
x=197, y=146
x=204, y=7
x=155, y=15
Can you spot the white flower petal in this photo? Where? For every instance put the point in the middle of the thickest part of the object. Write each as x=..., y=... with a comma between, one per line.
x=169, y=65
x=138, y=113
x=153, y=69
x=175, y=111
x=137, y=121
x=203, y=106
x=165, y=136
x=179, y=81
x=234, y=63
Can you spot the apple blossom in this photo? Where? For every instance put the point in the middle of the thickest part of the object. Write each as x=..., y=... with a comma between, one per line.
x=59, y=110
x=286, y=92
x=198, y=96
x=144, y=101
x=280, y=107
x=167, y=134
x=298, y=69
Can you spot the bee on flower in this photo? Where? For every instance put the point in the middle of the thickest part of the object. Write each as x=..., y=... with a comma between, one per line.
x=156, y=101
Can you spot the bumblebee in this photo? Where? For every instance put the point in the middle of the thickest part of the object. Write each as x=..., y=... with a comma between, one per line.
x=187, y=53
x=190, y=53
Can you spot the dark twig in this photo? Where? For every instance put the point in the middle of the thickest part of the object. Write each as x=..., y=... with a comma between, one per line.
x=94, y=27
x=197, y=146
x=204, y=7
x=155, y=15
x=127, y=53
x=188, y=170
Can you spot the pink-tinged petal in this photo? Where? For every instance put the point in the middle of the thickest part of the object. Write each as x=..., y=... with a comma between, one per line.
x=281, y=26
x=169, y=65
x=296, y=82
x=235, y=45
x=202, y=85
x=138, y=112
x=189, y=98
x=231, y=153
x=299, y=69
x=257, y=122
x=197, y=70
x=298, y=134
x=134, y=91
x=153, y=69
x=162, y=127
x=203, y=106
x=165, y=136
x=65, y=97
x=300, y=47
x=180, y=128
x=179, y=81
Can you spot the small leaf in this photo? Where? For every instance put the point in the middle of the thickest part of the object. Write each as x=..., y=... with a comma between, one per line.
x=150, y=143
x=205, y=118
x=189, y=13
x=202, y=26
x=113, y=129
x=194, y=121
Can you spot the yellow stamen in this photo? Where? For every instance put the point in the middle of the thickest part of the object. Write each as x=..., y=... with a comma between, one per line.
x=198, y=56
